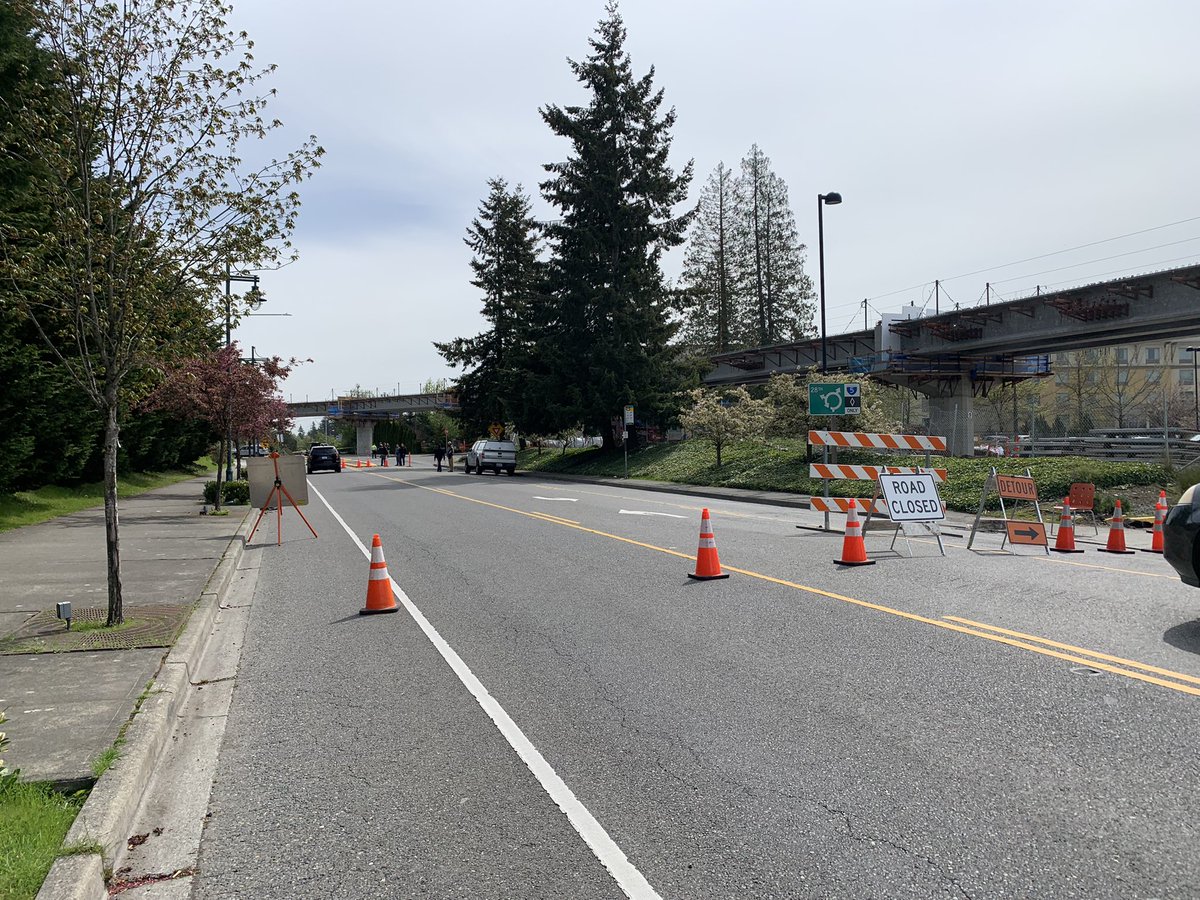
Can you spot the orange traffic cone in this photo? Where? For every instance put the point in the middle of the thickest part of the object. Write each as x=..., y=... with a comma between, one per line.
x=1065, y=543
x=380, y=598
x=1160, y=516
x=854, y=550
x=343, y=462
x=708, y=564
x=1116, y=533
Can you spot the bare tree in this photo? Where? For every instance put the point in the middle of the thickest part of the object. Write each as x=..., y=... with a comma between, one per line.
x=138, y=145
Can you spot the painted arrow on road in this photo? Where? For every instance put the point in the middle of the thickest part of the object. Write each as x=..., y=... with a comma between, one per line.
x=639, y=512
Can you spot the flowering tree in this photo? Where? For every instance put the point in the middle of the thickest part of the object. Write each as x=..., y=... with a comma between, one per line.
x=723, y=416
x=236, y=398
x=137, y=137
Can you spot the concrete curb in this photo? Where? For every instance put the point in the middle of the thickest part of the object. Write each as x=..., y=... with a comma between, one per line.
x=108, y=813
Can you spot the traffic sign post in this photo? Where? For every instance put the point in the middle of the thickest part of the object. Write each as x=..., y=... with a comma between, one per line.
x=625, y=436
x=1018, y=489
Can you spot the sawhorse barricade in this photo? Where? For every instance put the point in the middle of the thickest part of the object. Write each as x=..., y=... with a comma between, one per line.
x=828, y=471
x=1019, y=489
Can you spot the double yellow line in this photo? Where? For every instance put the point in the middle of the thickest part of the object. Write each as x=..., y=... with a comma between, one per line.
x=1116, y=665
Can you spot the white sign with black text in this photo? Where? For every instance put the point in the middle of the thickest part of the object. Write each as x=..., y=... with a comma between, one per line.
x=912, y=498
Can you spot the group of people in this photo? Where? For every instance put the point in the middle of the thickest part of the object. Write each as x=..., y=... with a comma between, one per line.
x=382, y=450
x=440, y=453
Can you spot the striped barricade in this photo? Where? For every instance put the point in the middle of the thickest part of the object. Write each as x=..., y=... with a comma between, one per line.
x=842, y=504
x=869, y=473
x=868, y=440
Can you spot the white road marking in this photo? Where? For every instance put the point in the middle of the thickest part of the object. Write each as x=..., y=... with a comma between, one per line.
x=627, y=876
x=560, y=499
x=642, y=512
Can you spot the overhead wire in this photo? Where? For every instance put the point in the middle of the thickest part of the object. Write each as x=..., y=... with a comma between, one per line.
x=1044, y=256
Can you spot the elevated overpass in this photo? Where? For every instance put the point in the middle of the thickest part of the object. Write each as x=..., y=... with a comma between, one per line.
x=956, y=356
x=364, y=412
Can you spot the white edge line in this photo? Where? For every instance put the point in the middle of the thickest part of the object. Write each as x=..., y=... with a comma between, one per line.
x=559, y=499
x=628, y=878
x=642, y=512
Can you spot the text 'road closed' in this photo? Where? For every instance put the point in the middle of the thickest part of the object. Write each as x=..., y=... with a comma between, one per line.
x=911, y=498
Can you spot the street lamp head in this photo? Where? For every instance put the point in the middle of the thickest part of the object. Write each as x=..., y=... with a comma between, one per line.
x=1192, y=349
x=254, y=297
x=833, y=198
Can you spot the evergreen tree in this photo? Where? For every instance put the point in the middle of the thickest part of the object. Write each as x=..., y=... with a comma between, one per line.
x=777, y=304
x=604, y=323
x=709, y=294
x=504, y=239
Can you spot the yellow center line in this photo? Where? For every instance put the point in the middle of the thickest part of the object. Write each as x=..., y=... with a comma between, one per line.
x=1115, y=659
x=999, y=638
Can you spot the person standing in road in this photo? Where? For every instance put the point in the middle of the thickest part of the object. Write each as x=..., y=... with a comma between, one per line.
x=401, y=452
x=439, y=453
x=374, y=450
x=383, y=451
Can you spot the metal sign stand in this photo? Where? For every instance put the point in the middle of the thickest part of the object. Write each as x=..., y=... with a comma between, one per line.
x=992, y=483
x=275, y=499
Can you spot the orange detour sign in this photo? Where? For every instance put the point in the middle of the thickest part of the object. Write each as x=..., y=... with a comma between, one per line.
x=1016, y=487
x=380, y=598
x=1026, y=533
x=708, y=564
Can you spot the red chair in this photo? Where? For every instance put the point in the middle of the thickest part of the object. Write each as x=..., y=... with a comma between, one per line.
x=1082, y=497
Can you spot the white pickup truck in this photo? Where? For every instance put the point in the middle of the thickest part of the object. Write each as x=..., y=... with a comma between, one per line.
x=494, y=455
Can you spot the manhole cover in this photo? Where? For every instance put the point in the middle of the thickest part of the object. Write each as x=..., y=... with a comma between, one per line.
x=144, y=626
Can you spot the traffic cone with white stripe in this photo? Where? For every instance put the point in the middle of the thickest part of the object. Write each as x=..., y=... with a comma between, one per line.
x=1065, y=543
x=1160, y=516
x=380, y=598
x=708, y=564
x=1116, y=533
x=854, y=549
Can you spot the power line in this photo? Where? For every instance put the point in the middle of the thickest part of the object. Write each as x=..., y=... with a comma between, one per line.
x=1042, y=256
x=1101, y=259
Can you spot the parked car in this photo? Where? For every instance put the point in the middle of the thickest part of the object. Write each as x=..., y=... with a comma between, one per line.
x=324, y=456
x=494, y=455
x=1181, y=536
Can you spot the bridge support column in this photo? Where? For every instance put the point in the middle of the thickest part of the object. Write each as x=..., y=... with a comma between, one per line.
x=952, y=413
x=364, y=432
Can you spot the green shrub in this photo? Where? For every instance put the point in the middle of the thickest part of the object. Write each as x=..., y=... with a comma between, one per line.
x=234, y=492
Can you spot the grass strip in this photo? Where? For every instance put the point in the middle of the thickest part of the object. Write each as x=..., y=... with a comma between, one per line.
x=31, y=507
x=34, y=820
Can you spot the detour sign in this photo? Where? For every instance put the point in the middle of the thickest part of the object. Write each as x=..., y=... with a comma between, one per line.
x=1016, y=487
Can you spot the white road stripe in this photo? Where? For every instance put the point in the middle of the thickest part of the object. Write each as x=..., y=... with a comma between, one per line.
x=628, y=878
x=559, y=499
x=642, y=512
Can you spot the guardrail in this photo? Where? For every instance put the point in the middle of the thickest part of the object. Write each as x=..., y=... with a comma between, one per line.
x=1182, y=453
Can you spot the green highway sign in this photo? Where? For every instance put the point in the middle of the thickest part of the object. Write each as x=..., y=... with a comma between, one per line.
x=834, y=399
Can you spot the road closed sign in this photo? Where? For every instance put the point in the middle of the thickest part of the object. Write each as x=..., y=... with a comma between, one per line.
x=911, y=498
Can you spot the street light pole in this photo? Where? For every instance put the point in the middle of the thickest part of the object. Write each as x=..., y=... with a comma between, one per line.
x=255, y=300
x=1195, y=384
x=831, y=199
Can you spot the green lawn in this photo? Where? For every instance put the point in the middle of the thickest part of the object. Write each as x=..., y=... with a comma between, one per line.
x=34, y=820
x=780, y=465
x=30, y=507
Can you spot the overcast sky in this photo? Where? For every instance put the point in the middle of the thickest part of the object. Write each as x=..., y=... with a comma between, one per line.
x=962, y=136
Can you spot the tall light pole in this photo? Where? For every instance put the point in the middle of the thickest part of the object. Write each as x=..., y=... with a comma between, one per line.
x=831, y=199
x=254, y=298
x=1195, y=384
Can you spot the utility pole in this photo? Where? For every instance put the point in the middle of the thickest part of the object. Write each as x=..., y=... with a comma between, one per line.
x=864, y=306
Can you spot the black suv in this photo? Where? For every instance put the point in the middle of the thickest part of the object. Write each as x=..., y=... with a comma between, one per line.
x=323, y=456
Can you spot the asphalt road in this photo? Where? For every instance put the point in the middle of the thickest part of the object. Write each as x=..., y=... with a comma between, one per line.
x=797, y=730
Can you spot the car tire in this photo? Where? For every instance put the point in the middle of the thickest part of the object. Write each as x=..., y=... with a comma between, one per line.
x=511, y=470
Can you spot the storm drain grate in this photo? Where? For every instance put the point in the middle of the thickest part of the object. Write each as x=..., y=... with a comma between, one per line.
x=144, y=626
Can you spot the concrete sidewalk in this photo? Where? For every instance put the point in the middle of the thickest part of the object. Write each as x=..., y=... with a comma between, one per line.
x=65, y=709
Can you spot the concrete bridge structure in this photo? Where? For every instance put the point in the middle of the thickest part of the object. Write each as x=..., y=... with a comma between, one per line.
x=956, y=356
x=364, y=412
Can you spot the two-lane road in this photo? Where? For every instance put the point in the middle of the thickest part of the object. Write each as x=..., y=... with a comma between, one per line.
x=559, y=712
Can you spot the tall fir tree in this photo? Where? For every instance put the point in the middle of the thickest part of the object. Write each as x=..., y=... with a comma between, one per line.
x=504, y=240
x=606, y=317
x=708, y=298
x=777, y=305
